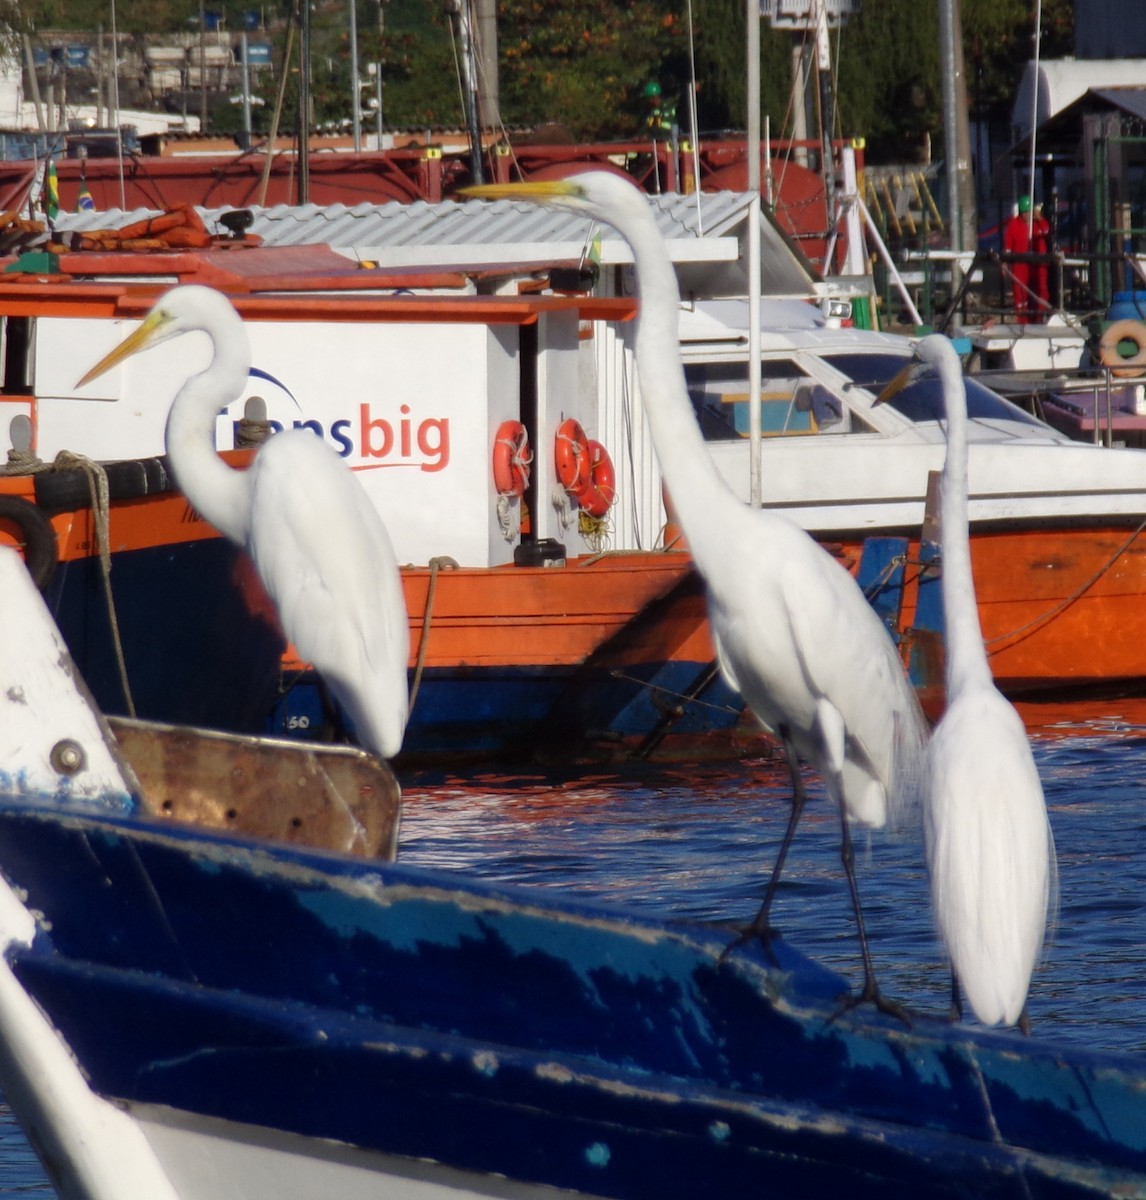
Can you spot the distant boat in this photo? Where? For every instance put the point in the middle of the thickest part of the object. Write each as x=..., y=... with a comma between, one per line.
x=190, y=1013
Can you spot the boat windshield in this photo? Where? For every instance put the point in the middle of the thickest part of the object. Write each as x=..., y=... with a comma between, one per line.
x=923, y=400
x=791, y=402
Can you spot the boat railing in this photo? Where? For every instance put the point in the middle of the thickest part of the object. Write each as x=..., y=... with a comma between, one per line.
x=1101, y=403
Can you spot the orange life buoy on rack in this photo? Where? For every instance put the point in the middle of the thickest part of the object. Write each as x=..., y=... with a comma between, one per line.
x=571, y=456
x=597, y=496
x=511, y=459
x=1109, y=347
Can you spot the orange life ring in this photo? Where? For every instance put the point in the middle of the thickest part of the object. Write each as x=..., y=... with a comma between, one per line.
x=1109, y=347
x=571, y=456
x=511, y=459
x=597, y=496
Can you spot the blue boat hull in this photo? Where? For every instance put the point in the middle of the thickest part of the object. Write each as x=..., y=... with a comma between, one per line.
x=506, y=1033
x=550, y=713
x=197, y=642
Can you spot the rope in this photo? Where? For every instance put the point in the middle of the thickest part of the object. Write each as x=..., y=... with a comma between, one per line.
x=436, y=564
x=66, y=460
x=595, y=530
x=563, y=507
x=25, y=462
x=509, y=517
x=664, y=691
x=251, y=433
x=889, y=569
x=1066, y=602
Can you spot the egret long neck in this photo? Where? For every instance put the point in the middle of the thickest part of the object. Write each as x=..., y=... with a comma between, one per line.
x=685, y=462
x=966, y=657
x=219, y=493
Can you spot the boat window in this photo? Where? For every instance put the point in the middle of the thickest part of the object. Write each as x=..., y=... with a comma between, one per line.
x=790, y=401
x=923, y=400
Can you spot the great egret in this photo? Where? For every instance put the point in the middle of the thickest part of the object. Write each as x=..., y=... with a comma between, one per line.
x=792, y=629
x=317, y=541
x=990, y=852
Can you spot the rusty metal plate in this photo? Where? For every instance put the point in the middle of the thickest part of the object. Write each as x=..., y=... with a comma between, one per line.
x=329, y=797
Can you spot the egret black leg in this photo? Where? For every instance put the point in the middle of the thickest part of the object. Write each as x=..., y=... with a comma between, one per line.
x=1025, y=1022
x=956, y=1013
x=871, y=993
x=760, y=926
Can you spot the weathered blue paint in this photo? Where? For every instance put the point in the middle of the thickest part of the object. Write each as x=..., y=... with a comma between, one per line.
x=881, y=572
x=510, y=1031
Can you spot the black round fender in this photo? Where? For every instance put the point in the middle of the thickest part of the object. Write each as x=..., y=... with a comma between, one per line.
x=35, y=535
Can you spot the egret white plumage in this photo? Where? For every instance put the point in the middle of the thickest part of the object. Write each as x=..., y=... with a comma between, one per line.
x=317, y=541
x=990, y=851
x=792, y=629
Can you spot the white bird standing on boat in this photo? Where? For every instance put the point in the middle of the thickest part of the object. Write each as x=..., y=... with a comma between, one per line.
x=990, y=852
x=318, y=543
x=793, y=632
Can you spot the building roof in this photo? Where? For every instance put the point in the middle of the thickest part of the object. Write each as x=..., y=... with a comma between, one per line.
x=702, y=233
x=1060, y=82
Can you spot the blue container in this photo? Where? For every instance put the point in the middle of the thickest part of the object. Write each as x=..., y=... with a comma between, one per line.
x=1127, y=306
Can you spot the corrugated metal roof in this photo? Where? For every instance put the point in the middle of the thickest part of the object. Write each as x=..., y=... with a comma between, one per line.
x=419, y=223
x=697, y=229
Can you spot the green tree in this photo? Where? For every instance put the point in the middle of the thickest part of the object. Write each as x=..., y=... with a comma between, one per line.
x=586, y=64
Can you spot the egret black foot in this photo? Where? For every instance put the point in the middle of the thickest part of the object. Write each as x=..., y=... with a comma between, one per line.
x=872, y=995
x=758, y=930
x=1025, y=1022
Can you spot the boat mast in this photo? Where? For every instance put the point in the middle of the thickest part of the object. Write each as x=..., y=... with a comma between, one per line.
x=460, y=12
x=304, y=103
x=956, y=136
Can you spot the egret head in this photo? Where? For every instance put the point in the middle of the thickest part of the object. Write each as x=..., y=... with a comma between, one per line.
x=929, y=352
x=178, y=311
x=601, y=195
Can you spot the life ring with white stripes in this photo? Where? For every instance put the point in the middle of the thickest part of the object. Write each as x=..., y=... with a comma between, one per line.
x=571, y=456
x=598, y=494
x=1110, y=347
x=511, y=459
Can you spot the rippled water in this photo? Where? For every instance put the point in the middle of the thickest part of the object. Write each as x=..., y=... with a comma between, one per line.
x=698, y=843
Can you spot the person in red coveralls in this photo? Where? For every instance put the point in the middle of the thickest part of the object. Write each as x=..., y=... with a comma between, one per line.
x=1028, y=232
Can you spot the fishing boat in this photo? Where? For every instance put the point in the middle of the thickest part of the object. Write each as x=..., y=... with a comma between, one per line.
x=186, y=1012
x=530, y=634
x=540, y=626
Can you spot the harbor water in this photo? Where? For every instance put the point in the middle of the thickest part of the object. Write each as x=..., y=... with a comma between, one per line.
x=697, y=842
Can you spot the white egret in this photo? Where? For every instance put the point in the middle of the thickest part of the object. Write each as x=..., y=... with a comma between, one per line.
x=792, y=629
x=317, y=541
x=990, y=852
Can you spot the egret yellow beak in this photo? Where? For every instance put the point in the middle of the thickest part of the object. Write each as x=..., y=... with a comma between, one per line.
x=533, y=189
x=898, y=382
x=142, y=337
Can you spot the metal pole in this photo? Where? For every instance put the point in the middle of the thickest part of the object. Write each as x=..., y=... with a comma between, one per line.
x=827, y=114
x=1034, y=118
x=355, y=85
x=378, y=85
x=202, y=68
x=304, y=103
x=752, y=150
x=115, y=105
x=950, y=132
x=246, y=92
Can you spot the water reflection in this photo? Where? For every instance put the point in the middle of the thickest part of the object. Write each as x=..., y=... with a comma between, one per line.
x=698, y=843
